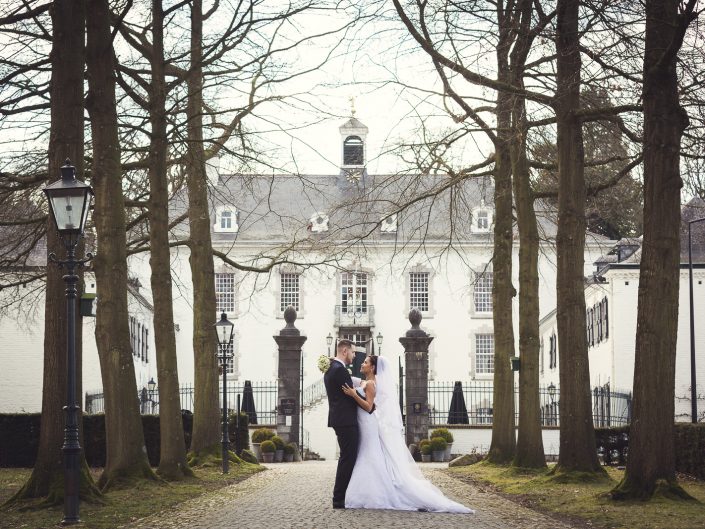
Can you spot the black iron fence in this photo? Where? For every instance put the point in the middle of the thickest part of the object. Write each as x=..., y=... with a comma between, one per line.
x=610, y=408
x=475, y=407
x=264, y=397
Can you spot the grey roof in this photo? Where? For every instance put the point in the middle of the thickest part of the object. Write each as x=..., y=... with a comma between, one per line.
x=353, y=123
x=280, y=207
x=627, y=251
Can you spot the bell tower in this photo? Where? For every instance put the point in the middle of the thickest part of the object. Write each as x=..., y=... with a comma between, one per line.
x=353, y=135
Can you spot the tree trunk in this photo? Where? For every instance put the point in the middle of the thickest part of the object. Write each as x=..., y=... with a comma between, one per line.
x=651, y=463
x=529, y=451
x=125, y=450
x=577, y=440
x=65, y=141
x=503, y=433
x=172, y=463
x=206, y=434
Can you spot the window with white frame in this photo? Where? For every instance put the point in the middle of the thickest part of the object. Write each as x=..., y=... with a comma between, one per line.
x=484, y=353
x=389, y=224
x=289, y=291
x=483, y=292
x=318, y=222
x=481, y=219
x=225, y=219
x=418, y=290
x=353, y=294
x=225, y=292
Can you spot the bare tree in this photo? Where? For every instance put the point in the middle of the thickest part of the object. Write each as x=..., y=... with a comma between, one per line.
x=651, y=464
x=126, y=456
x=66, y=140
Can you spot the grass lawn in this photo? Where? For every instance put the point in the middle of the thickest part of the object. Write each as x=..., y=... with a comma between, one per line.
x=588, y=501
x=121, y=506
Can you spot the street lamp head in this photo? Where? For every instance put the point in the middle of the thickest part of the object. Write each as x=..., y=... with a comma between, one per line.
x=329, y=339
x=69, y=201
x=379, y=338
x=224, y=329
x=151, y=384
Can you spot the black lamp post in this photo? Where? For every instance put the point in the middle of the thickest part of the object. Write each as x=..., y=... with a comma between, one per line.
x=224, y=329
x=693, y=386
x=329, y=341
x=151, y=385
x=552, y=395
x=69, y=201
x=379, y=342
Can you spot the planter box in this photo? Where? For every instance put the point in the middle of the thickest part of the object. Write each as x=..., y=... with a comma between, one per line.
x=446, y=456
x=425, y=458
x=257, y=451
x=268, y=457
x=278, y=456
x=439, y=455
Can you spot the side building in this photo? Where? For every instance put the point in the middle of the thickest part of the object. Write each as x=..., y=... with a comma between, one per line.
x=611, y=297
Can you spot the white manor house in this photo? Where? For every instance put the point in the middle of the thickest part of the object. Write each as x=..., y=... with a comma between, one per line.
x=361, y=250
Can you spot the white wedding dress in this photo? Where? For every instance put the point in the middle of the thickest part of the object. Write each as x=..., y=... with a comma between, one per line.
x=385, y=475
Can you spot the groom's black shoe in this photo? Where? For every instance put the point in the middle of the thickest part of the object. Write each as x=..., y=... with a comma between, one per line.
x=339, y=505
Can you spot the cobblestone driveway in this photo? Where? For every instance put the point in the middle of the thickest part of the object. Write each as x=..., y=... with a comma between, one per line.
x=291, y=496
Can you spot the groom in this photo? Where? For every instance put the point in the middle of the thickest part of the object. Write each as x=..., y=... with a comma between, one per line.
x=342, y=417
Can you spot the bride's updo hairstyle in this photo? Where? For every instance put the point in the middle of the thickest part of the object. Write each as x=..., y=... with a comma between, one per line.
x=373, y=361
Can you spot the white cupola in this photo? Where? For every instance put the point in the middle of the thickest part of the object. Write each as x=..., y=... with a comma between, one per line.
x=353, y=134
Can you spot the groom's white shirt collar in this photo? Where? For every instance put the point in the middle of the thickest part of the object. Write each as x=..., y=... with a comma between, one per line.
x=339, y=360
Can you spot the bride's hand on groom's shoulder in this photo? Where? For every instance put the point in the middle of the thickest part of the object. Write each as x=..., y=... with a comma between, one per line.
x=348, y=390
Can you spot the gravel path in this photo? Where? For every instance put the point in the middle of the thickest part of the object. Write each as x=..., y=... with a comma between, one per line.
x=298, y=495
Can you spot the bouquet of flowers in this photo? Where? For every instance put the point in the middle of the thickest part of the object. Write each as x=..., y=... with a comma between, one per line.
x=324, y=363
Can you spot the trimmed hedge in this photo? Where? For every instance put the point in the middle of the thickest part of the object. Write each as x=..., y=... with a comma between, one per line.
x=690, y=449
x=689, y=446
x=19, y=438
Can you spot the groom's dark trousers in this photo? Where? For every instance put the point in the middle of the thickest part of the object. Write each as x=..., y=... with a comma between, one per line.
x=342, y=417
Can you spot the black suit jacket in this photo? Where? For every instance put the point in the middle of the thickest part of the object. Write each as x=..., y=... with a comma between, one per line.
x=342, y=410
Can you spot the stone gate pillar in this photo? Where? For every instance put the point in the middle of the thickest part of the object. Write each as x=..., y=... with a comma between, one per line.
x=415, y=345
x=289, y=341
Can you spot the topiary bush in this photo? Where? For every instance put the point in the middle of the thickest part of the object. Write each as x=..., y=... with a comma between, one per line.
x=426, y=449
x=268, y=447
x=289, y=448
x=262, y=434
x=278, y=442
x=444, y=433
x=438, y=444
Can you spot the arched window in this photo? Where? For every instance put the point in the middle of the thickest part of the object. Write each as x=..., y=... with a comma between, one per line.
x=353, y=153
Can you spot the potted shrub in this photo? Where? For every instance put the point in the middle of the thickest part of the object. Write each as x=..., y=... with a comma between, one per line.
x=438, y=448
x=289, y=451
x=279, y=445
x=268, y=448
x=445, y=434
x=425, y=447
x=258, y=436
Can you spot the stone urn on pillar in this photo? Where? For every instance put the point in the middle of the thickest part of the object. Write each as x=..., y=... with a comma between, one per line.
x=415, y=343
x=289, y=342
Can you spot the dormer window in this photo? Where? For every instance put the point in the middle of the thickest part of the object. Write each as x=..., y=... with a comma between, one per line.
x=353, y=151
x=389, y=224
x=318, y=223
x=225, y=220
x=482, y=219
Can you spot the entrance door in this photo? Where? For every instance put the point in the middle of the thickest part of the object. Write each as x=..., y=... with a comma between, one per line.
x=360, y=339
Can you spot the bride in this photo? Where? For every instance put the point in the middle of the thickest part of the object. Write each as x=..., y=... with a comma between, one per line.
x=385, y=475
